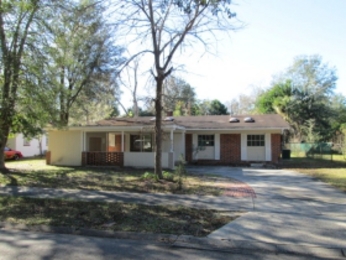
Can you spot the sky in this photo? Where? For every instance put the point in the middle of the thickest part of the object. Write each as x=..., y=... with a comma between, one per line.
x=274, y=33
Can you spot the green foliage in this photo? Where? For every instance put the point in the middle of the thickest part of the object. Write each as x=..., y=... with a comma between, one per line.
x=302, y=95
x=217, y=108
x=180, y=171
x=178, y=97
x=18, y=29
x=149, y=176
x=277, y=97
x=168, y=176
x=207, y=107
x=79, y=64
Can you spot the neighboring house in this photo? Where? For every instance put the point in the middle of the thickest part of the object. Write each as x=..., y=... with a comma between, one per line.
x=28, y=147
x=223, y=140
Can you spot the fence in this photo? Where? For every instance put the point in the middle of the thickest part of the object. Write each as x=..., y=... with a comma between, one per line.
x=311, y=150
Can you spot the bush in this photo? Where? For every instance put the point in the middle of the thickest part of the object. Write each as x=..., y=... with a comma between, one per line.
x=180, y=171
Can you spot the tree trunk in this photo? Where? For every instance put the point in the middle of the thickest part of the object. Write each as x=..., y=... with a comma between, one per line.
x=158, y=132
x=3, y=140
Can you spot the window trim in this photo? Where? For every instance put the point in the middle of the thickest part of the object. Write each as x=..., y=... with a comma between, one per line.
x=26, y=142
x=255, y=140
x=206, y=140
x=142, y=138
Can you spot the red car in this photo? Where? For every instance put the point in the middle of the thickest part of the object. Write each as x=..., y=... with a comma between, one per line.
x=12, y=154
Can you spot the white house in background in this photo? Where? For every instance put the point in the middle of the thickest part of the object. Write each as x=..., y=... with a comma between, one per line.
x=28, y=147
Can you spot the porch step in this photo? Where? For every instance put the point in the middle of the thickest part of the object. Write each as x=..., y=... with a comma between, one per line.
x=257, y=165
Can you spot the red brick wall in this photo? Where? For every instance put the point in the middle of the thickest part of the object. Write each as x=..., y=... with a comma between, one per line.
x=188, y=147
x=276, y=147
x=230, y=148
x=117, y=147
x=48, y=157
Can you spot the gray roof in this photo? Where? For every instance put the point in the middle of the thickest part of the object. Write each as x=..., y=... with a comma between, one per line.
x=272, y=121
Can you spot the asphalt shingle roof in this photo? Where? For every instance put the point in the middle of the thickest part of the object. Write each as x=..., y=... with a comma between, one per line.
x=204, y=122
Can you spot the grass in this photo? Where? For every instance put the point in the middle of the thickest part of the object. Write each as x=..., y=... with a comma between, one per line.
x=334, y=176
x=36, y=173
x=335, y=161
x=326, y=170
x=111, y=216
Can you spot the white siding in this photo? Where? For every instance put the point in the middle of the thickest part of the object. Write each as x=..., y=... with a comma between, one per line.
x=217, y=146
x=256, y=153
x=178, y=146
x=243, y=149
x=146, y=160
x=207, y=152
x=33, y=149
x=268, y=145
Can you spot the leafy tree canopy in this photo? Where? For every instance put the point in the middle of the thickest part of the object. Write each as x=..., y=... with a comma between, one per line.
x=302, y=95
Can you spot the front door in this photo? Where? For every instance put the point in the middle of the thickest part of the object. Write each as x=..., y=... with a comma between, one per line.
x=95, y=144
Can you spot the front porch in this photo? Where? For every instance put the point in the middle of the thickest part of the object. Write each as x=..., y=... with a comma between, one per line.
x=128, y=159
x=130, y=148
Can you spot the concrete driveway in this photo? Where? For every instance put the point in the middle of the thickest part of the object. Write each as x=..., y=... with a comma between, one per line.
x=290, y=208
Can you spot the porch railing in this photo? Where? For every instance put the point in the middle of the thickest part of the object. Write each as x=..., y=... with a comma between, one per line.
x=103, y=158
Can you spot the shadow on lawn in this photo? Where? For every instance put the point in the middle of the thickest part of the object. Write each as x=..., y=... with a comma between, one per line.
x=308, y=163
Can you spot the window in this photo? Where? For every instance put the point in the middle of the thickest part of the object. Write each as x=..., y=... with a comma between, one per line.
x=26, y=142
x=255, y=140
x=206, y=140
x=141, y=143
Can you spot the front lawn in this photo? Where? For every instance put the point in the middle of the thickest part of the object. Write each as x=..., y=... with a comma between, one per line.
x=333, y=176
x=111, y=216
x=326, y=170
x=36, y=173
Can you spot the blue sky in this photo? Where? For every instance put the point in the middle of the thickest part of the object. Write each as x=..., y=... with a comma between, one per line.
x=275, y=32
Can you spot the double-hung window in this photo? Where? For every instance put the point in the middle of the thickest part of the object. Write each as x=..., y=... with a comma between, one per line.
x=255, y=140
x=141, y=143
x=206, y=140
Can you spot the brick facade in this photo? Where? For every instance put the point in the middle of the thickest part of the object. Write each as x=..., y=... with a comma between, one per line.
x=230, y=147
x=48, y=157
x=276, y=147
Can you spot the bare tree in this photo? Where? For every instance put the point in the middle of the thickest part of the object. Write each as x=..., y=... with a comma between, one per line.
x=245, y=104
x=162, y=28
x=129, y=79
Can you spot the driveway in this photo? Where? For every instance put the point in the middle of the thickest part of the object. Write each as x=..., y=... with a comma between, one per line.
x=290, y=208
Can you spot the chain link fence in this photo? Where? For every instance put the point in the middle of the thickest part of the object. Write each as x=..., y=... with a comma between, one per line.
x=311, y=150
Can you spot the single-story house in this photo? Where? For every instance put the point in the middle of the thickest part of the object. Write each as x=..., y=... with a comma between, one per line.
x=223, y=140
x=28, y=146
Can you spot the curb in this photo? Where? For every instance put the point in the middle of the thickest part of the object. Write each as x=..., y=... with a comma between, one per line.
x=191, y=242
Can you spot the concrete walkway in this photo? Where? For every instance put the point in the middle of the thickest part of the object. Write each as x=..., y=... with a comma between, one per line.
x=290, y=210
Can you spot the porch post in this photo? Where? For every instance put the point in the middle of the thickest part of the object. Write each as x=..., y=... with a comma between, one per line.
x=172, y=141
x=182, y=144
x=122, y=141
x=83, y=141
x=171, y=152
